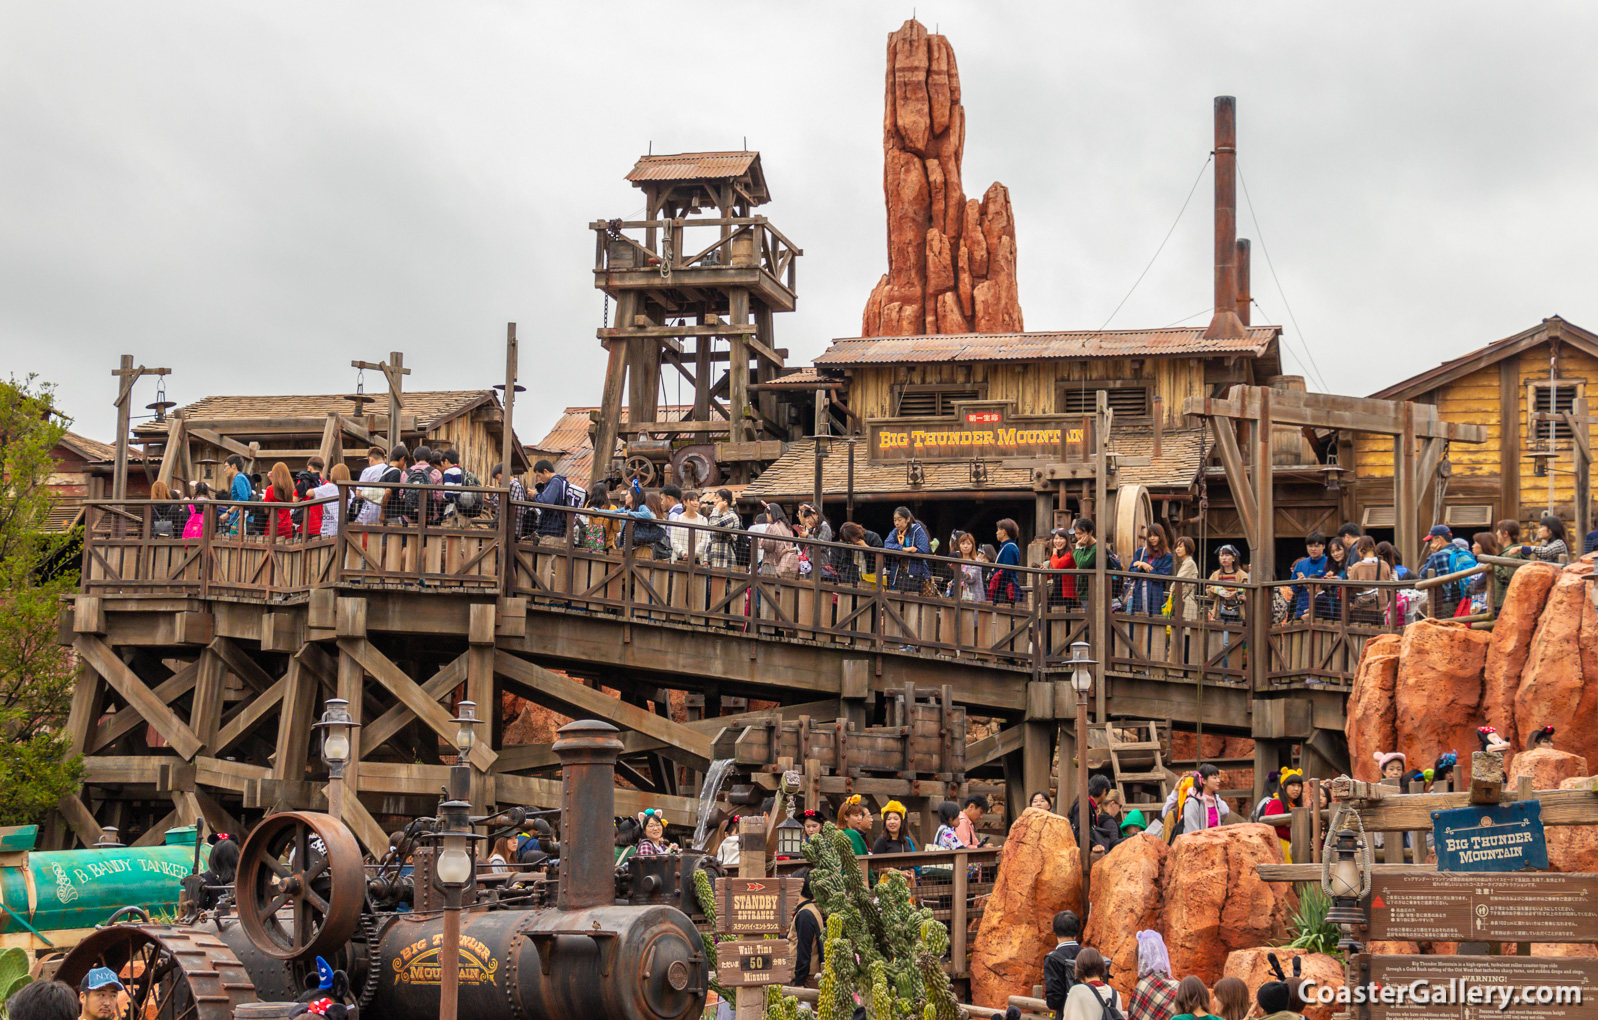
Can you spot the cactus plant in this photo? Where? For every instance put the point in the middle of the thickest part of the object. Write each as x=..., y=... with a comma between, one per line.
x=706, y=894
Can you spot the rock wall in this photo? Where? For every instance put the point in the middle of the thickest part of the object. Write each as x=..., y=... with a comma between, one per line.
x=1372, y=722
x=1039, y=876
x=1126, y=897
x=1215, y=901
x=951, y=261
x=1437, y=697
x=1511, y=643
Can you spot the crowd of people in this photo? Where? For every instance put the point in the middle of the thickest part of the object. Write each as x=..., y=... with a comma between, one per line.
x=1164, y=576
x=1076, y=985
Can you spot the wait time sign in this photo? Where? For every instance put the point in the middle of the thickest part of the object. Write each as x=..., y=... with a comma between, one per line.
x=981, y=432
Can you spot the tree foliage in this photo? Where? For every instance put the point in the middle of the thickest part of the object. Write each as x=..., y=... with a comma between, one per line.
x=36, y=673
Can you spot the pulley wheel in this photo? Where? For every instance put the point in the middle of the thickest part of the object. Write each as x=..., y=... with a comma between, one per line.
x=1134, y=512
x=301, y=885
x=171, y=972
x=640, y=469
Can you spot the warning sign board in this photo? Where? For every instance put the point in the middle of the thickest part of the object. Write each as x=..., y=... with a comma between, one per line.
x=1523, y=907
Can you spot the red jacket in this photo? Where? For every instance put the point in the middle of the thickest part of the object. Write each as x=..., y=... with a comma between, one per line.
x=285, y=518
x=1065, y=562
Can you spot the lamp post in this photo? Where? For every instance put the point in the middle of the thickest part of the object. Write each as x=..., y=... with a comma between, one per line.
x=455, y=869
x=460, y=774
x=336, y=725
x=1081, y=664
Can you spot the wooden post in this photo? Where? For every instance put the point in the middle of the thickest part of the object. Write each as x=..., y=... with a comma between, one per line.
x=737, y=365
x=1405, y=514
x=1099, y=605
x=395, y=371
x=511, y=362
x=128, y=375
x=351, y=687
x=480, y=683
x=752, y=864
x=1580, y=431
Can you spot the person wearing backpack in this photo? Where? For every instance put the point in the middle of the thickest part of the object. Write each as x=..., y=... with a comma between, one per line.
x=1090, y=998
x=422, y=472
x=552, y=491
x=398, y=504
x=459, y=507
x=1059, y=967
x=807, y=936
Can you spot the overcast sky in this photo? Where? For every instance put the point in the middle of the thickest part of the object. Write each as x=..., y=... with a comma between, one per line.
x=253, y=194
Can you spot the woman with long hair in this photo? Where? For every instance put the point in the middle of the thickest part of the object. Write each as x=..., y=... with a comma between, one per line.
x=1205, y=808
x=1485, y=543
x=280, y=489
x=333, y=511
x=1062, y=588
x=1551, y=541
x=1290, y=794
x=1226, y=600
x=778, y=555
x=968, y=580
x=1153, y=557
x=1231, y=995
x=1329, y=600
x=1185, y=550
x=1192, y=999
x=167, y=517
x=895, y=839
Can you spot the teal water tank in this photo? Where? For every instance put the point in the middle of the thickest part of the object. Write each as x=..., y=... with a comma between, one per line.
x=61, y=890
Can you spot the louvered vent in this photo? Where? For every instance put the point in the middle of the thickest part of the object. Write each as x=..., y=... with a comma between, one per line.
x=1126, y=402
x=932, y=403
x=1378, y=517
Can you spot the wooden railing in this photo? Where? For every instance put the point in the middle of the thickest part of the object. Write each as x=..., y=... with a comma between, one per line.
x=676, y=245
x=874, y=599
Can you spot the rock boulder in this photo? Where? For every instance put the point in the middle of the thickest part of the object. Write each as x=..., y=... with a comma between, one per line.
x=1215, y=901
x=1039, y=876
x=1372, y=722
x=1552, y=688
x=1437, y=697
x=1511, y=643
x=1573, y=848
x=1254, y=969
x=1547, y=767
x=951, y=261
x=1126, y=898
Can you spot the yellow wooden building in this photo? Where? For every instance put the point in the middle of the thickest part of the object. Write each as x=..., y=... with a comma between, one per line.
x=1527, y=466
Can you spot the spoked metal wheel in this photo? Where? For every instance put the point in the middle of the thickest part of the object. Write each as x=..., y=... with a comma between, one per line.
x=640, y=469
x=170, y=972
x=301, y=885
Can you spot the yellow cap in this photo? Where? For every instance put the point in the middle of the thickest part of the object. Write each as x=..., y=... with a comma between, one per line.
x=894, y=807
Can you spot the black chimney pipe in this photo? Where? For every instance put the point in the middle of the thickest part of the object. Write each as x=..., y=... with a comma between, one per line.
x=1245, y=296
x=1225, y=324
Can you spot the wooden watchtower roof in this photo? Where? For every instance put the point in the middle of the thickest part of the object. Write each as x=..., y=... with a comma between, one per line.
x=690, y=181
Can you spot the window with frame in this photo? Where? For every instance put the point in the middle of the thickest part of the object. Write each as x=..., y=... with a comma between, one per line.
x=1557, y=397
x=932, y=400
x=1126, y=401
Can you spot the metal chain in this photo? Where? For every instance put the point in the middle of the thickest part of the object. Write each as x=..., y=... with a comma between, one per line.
x=665, y=252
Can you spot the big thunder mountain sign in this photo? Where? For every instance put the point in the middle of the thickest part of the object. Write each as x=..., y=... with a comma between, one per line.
x=982, y=432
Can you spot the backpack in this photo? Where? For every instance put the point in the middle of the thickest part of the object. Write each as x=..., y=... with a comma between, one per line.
x=1110, y=1010
x=576, y=495
x=411, y=499
x=469, y=503
x=646, y=532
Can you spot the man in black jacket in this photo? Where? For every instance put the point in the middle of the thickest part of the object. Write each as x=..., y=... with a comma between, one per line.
x=1059, y=967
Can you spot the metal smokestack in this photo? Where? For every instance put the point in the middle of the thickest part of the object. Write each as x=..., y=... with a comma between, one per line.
x=1225, y=324
x=587, y=750
x=1245, y=296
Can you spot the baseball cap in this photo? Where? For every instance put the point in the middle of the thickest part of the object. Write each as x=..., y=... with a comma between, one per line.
x=1440, y=531
x=101, y=977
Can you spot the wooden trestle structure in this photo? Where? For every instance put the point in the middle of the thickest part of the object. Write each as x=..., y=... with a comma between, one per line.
x=204, y=663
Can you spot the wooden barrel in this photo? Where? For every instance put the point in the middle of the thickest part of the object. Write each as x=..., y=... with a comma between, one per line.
x=1288, y=445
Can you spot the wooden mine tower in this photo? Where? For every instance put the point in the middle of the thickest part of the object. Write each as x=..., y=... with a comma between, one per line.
x=694, y=284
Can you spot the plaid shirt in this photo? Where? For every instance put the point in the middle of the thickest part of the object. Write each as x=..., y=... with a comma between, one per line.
x=1154, y=998
x=518, y=494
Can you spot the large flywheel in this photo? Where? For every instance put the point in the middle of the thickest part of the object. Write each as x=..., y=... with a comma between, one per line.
x=171, y=972
x=301, y=885
x=1134, y=512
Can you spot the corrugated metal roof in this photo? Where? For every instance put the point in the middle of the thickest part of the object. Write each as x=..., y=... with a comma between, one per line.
x=1036, y=346
x=692, y=166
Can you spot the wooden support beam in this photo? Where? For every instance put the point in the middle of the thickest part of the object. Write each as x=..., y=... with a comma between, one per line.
x=122, y=722
x=411, y=694
x=365, y=827
x=156, y=834
x=1237, y=479
x=1413, y=811
x=1328, y=411
x=383, y=729
x=205, y=715
x=139, y=696
x=532, y=792
x=244, y=667
x=294, y=723
x=79, y=818
x=1006, y=741
x=669, y=332
x=225, y=442
x=172, y=455
x=254, y=710
x=573, y=698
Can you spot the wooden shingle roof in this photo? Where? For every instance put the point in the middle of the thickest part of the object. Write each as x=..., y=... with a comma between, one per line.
x=431, y=407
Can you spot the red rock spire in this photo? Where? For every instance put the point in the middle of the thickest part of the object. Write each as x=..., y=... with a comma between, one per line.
x=951, y=262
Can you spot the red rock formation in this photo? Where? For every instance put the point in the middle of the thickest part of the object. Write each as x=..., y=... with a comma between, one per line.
x=1438, y=692
x=1126, y=898
x=1254, y=969
x=1573, y=848
x=1547, y=767
x=951, y=262
x=1394, y=948
x=1511, y=642
x=1039, y=876
x=1372, y=723
x=1216, y=902
x=1552, y=688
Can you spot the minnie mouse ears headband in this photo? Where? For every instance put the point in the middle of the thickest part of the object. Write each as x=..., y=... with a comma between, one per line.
x=811, y=815
x=656, y=814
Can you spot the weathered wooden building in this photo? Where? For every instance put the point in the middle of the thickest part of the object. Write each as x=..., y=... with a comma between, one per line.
x=266, y=428
x=82, y=470
x=1528, y=465
x=974, y=427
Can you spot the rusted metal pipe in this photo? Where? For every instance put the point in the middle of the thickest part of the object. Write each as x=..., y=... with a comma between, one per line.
x=1159, y=423
x=1225, y=324
x=587, y=750
x=1245, y=296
